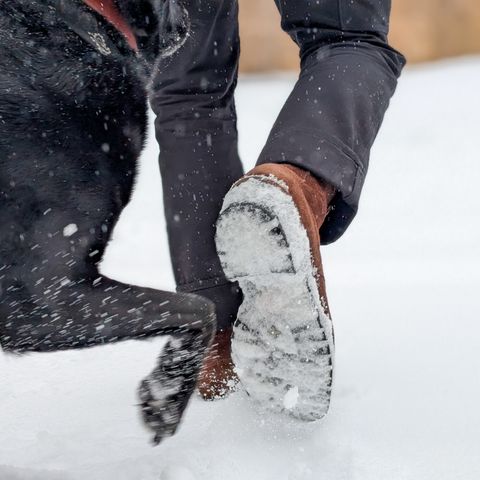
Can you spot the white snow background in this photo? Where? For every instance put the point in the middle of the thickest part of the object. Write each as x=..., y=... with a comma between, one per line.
x=403, y=285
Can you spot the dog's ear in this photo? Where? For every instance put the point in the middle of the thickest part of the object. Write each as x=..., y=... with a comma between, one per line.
x=161, y=26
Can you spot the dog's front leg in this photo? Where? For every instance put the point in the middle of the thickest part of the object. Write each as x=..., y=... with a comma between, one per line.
x=109, y=312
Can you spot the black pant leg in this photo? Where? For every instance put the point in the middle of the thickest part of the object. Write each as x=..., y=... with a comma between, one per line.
x=192, y=97
x=348, y=75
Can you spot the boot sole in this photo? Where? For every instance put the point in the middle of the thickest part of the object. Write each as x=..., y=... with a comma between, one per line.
x=282, y=342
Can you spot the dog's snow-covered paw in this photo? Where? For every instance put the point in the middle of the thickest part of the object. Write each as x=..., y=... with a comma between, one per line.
x=165, y=393
x=161, y=408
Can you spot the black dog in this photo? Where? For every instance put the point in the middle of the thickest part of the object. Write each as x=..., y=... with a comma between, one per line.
x=72, y=125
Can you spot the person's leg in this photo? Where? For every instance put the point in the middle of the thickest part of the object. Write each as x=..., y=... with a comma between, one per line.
x=192, y=97
x=348, y=75
x=304, y=191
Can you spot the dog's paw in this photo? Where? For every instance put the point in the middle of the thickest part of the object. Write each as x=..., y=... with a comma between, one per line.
x=161, y=407
x=165, y=393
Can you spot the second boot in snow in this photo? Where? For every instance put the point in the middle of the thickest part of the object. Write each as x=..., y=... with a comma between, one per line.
x=217, y=378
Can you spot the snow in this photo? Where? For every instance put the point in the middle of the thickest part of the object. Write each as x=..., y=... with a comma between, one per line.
x=291, y=398
x=177, y=473
x=403, y=288
x=70, y=230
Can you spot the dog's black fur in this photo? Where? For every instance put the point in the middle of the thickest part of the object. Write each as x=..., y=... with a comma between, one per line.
x=72, y=125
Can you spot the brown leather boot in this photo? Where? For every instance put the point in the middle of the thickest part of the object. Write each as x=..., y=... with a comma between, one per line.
x=268, y=240
x=217, y=377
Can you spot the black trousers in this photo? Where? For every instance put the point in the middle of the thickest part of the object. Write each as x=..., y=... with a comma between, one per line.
x=327, y=126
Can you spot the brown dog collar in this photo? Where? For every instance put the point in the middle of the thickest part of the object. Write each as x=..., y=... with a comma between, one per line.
x=110, y=12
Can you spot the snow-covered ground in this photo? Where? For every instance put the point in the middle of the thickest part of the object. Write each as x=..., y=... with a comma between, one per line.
x=403, y=287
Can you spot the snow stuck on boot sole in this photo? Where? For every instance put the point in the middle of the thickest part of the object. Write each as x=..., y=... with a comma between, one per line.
x=283, y=340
